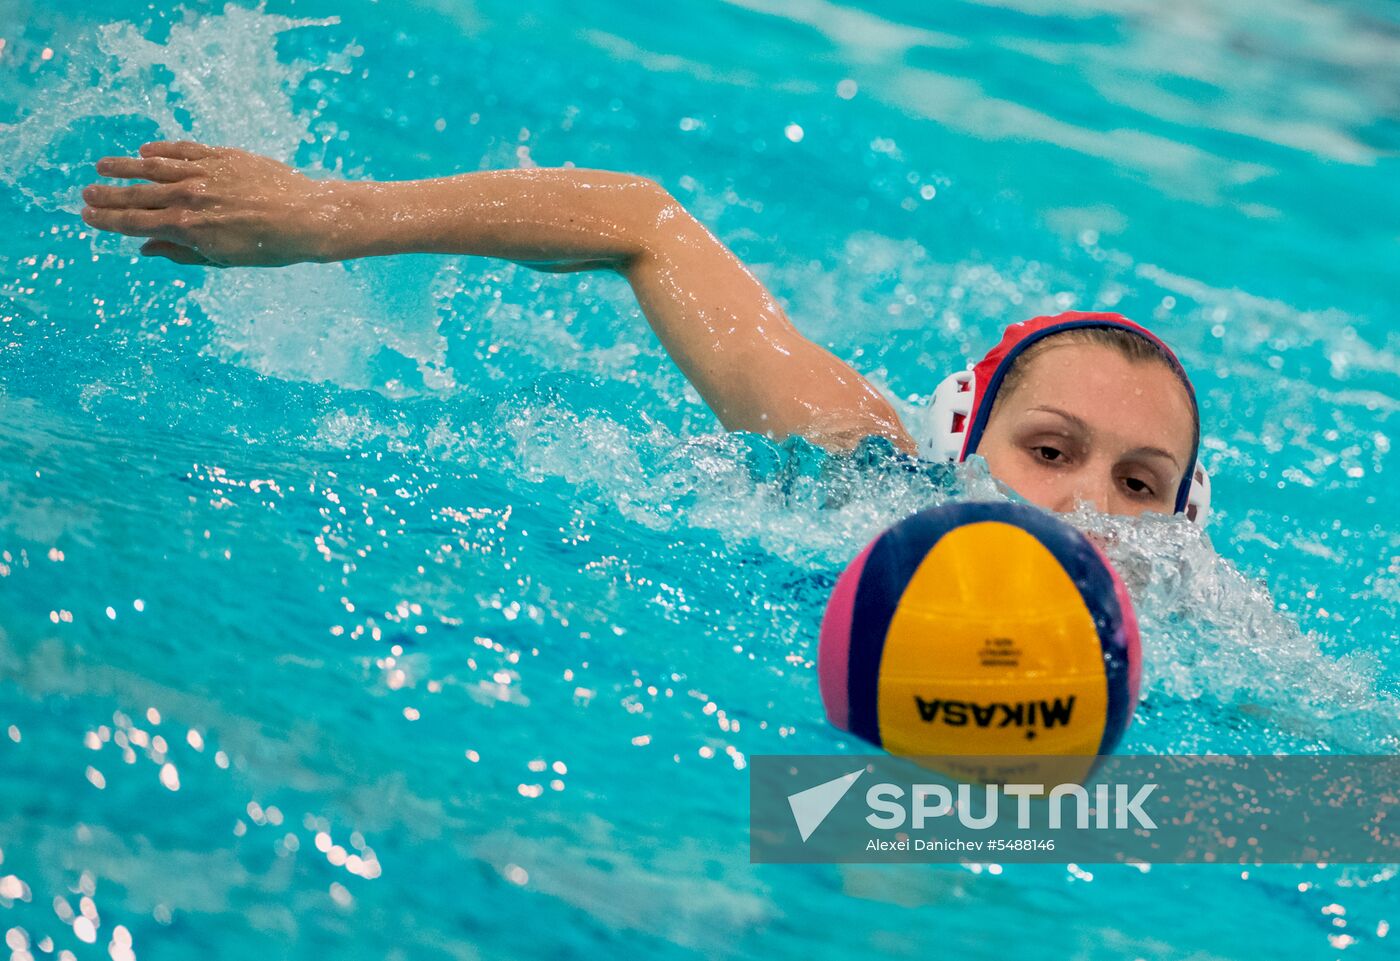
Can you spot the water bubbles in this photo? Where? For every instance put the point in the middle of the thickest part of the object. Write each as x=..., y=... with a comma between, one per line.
x=169, y=777
x=84, y=930
x=120, y=948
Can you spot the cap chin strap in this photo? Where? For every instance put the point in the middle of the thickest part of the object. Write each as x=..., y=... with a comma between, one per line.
x=949, y=414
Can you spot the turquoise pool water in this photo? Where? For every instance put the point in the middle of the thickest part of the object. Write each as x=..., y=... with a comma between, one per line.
x=416, y=608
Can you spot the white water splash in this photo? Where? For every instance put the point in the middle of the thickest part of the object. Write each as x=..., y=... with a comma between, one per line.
x=216, y=78
x=324, y=322
x=1210, y=632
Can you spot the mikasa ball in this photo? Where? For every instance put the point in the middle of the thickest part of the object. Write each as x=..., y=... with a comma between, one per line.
x=981, y=629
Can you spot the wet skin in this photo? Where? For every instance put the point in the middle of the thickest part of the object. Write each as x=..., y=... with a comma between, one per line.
x=1086, y=423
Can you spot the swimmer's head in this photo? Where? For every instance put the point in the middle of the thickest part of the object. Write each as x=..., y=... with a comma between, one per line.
x=1079, y=407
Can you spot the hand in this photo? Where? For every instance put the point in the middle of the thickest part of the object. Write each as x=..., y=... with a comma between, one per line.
x=213, y=206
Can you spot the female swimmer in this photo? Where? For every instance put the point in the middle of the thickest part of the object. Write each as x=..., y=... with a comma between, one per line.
x=1079, y=407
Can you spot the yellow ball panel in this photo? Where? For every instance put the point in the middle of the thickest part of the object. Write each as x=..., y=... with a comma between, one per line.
x=992, y=651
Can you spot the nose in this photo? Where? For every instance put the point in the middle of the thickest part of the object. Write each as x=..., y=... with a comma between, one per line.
x=1092, y=486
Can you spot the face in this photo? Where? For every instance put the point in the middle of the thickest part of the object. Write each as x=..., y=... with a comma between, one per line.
x=1086, y=423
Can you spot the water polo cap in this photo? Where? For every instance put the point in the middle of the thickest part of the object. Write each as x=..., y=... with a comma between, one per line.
x=958, y=413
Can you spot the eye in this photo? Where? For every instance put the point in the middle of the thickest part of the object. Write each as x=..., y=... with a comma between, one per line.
x=1045, y=452
x=1139, y=487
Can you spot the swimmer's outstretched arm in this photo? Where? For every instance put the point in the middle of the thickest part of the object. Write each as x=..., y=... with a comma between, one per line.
x=227, y=208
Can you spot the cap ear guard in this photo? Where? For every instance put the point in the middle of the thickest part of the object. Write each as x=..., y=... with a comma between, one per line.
x=1198, y=498
x=949, y=414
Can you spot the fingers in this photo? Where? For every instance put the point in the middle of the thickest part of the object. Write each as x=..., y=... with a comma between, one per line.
x=142, y=196
x=158, y=169
x=177, y=150
x=176, y=252
x=134, y=223
x=162, y=162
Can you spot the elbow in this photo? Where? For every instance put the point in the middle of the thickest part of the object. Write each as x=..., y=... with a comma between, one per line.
x=650, y=197
x=658, y=220
x=845, y=438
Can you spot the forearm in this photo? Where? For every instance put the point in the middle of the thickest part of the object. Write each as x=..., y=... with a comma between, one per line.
x=551, y=218
x=724, y=330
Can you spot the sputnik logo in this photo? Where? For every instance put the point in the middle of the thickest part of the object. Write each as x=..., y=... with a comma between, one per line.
x=810, y=807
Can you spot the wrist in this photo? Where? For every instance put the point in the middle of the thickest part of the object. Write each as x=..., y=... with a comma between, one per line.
x=340, y=221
